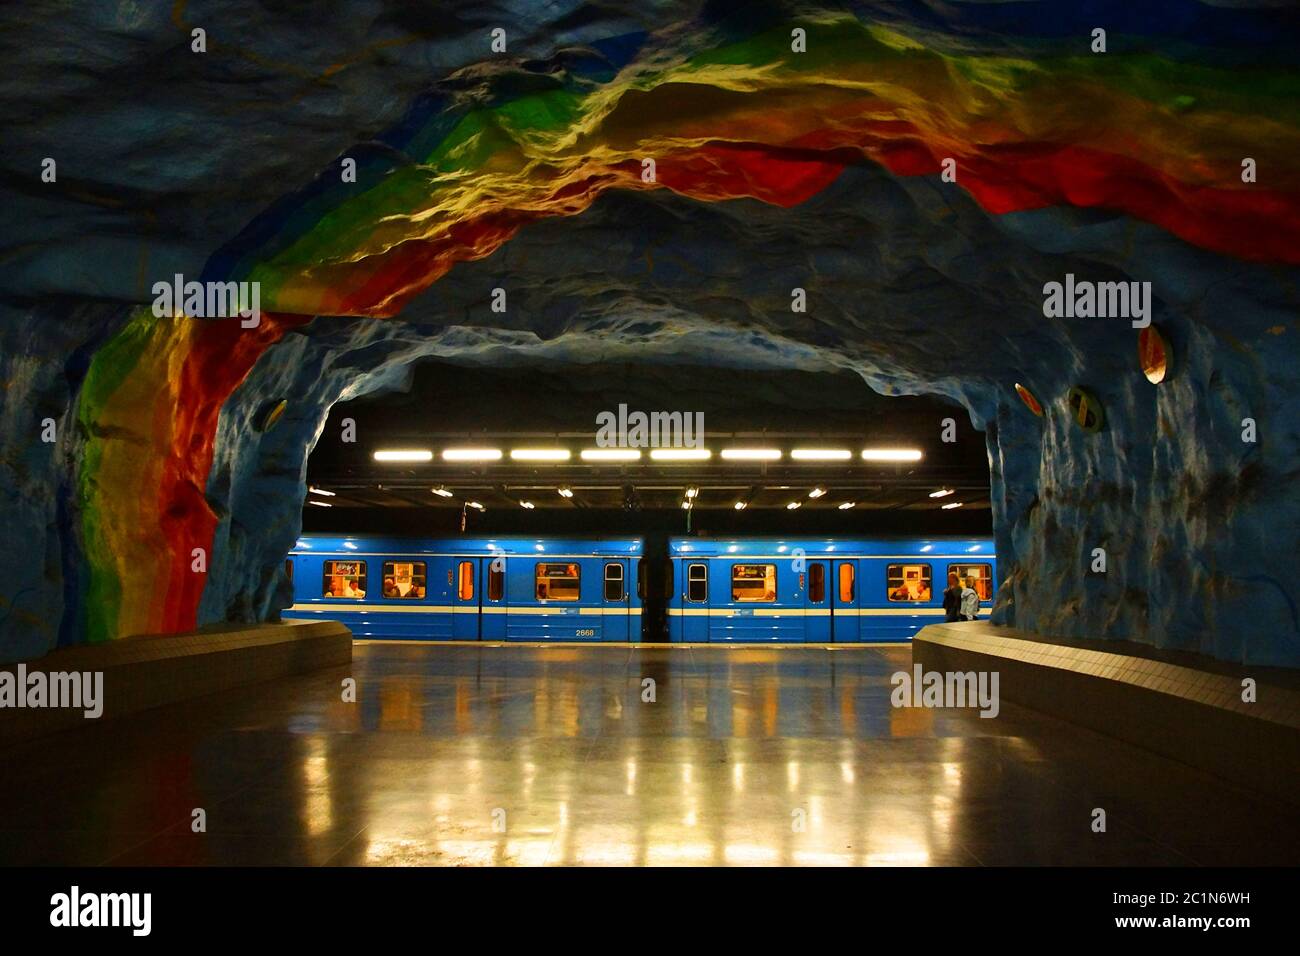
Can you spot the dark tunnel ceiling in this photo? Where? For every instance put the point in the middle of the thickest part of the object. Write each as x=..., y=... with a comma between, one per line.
x=451, y=405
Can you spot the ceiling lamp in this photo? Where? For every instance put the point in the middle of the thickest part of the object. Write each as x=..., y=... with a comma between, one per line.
x=816, y=492
x=941, y=493
x=680, y=454
x=891, y=454
x=751, y=454
x=821, y=454
x=739, y=505
x=847, y=505
x=539, y=454
x=403, y=454
x=793, y=505
x=949, y=507
x=527, y=504
x=565, y=492
x=321, y=491
x=611, y=454
x=471, y=454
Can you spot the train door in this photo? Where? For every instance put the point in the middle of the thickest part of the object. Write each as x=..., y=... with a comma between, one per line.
x=845, y=621
x=614, y=600
x=695, y=601
x=494, y=606
x=465, y=599
x=817, y=605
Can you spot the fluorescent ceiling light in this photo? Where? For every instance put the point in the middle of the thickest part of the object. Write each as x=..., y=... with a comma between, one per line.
x=821, y=454
x=611, y=454
x=816, y=492
x=320, y=504
x=692, y=492
x=403, y=454
x=680, y=454
x=565, y=492
x=891, y=454
x=941, y=493
x=471, y=454
x=847, y=505
x=321, y=491
x=793, y=505
x=441, y=492
x=739, y=506
x=474, y=504
x=539, y=454
x=687, y=504
x=949, y=507
x=527, y=504
x=751, y=454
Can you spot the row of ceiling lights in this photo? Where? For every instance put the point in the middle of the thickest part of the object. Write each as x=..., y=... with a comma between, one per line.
x=416, y=455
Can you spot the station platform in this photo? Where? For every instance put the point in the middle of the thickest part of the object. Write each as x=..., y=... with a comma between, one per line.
x=525, y=755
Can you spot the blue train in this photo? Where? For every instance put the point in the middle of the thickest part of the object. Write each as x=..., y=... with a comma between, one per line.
x=818, y=590
x=468, y=589
x=714, y=590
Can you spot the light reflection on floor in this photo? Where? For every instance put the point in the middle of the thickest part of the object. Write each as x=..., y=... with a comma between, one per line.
x=492, y=755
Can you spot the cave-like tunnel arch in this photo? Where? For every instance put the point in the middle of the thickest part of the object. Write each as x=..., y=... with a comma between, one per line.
x=664, y=192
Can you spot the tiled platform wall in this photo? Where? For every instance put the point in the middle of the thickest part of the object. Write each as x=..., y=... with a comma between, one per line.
x=1192, y=714
x=149, y=671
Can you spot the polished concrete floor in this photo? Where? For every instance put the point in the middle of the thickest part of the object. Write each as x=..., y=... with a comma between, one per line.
x=484, y=754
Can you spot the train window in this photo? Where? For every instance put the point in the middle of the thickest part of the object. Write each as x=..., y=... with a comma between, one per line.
x=465, y=581
x=344, y=579
x=908, y=582
x=753, y=583
x=846, y=584
x=697, y=583
x=404, y=579
x=557, y=582
x=978, y=576
x=816, y=583
x=496, y=581
x=613, y=581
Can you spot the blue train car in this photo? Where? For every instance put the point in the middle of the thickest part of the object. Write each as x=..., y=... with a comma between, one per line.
x=468, y=589
x=818, y=590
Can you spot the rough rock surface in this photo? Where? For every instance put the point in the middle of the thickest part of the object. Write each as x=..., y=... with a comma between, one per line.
x=225, y=169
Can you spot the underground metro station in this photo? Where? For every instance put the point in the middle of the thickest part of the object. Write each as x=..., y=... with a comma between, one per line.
x=635, y=435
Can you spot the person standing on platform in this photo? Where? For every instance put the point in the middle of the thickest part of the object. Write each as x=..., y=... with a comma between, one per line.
x=970, y=602
x=952, y=599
